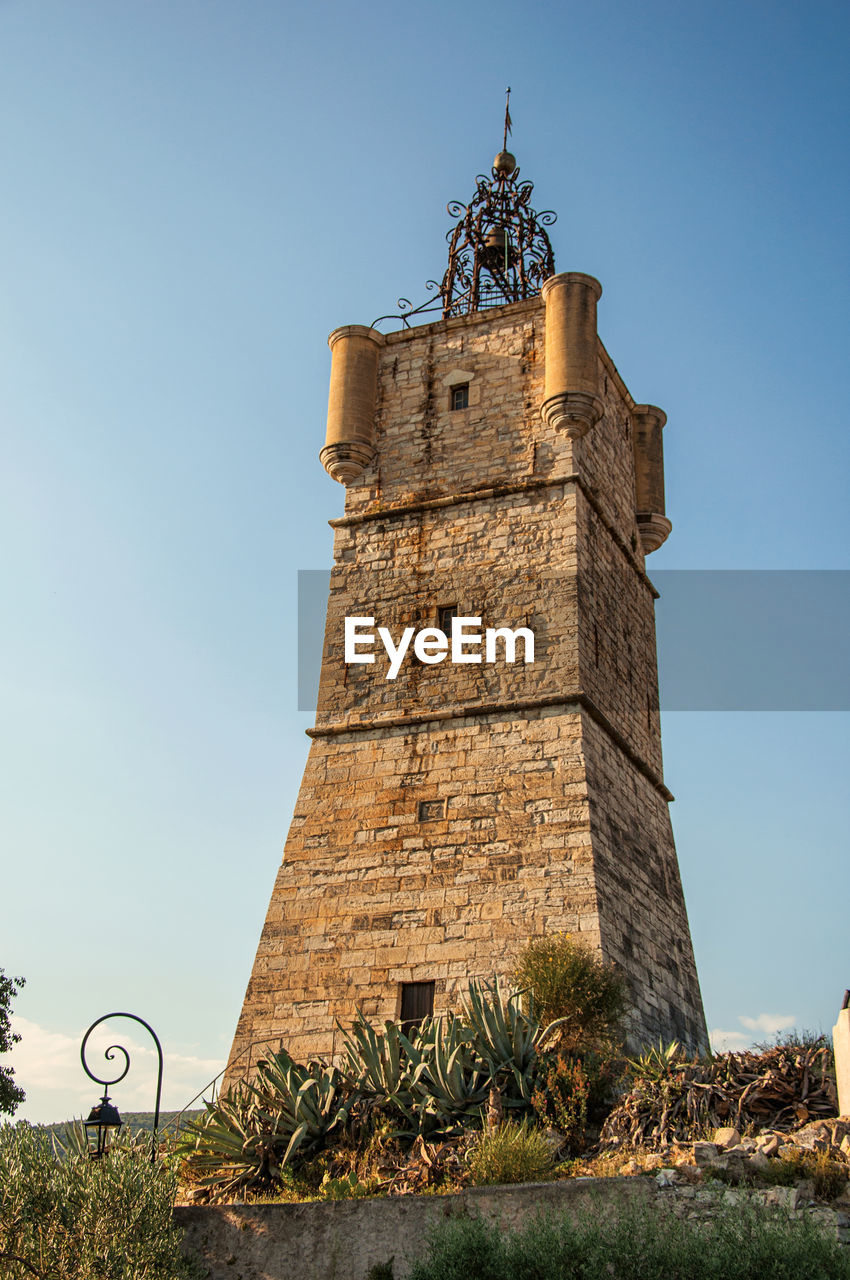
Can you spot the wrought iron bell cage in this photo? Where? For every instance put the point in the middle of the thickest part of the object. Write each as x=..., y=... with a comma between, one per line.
x=499, y=250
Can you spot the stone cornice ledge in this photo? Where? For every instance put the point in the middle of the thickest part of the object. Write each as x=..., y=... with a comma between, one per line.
x=474, y=710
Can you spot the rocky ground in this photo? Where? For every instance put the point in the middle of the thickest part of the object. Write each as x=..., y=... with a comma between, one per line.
x=805, y=1172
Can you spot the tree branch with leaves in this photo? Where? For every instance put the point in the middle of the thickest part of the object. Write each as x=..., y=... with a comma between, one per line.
x=11, y=1094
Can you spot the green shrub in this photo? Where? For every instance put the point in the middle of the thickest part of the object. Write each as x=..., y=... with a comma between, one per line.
x=740, y=1242
x=70, y=1218
x=511, y=1153
x=560, y=1098
x=563, y=978
x=462, y=1249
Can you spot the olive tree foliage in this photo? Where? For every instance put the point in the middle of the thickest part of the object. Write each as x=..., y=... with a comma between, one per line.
x=562, y=977
x=11, y=1094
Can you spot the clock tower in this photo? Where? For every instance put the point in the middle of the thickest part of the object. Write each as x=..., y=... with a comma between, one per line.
x=499, y=476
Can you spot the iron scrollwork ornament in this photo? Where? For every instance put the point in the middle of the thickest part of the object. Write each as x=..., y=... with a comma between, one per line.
x=499, y=250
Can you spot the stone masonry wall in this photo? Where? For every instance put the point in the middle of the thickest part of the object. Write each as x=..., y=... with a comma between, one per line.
x=369, y=896
x=425, y=449
x=344, y=1240
x=642, y=918
x=447, y=816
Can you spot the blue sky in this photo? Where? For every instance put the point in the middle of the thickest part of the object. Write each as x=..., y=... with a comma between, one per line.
x=195, y=194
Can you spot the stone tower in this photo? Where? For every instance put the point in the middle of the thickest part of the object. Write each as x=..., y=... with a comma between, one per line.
x=498, y=470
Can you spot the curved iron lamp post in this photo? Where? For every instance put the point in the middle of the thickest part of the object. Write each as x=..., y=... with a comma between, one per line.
x=105, y=1116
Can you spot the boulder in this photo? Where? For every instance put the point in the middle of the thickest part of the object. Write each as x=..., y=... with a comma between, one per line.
x=727, y=1137
x=768, y=1144
x=784, y=1197
x=816, y=1136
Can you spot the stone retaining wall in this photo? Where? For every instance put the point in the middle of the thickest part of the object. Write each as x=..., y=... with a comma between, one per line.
x=342, y=1240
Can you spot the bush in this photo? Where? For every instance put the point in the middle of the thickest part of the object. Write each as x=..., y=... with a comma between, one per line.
x=511, y=1153
x=564, y=978
x=560, y=1098
x=740, y=1242
x=67, y=1217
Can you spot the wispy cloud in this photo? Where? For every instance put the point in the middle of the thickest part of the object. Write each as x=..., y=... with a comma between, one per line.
x=47, y=1065
x=765, y=1024
x=769, y=1023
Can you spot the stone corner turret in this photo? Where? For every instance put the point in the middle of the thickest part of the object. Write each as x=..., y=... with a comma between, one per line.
x=350, y=441
x=572, y=403
x=653, y=525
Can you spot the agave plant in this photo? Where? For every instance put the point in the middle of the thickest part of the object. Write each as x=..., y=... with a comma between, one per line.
x=504, y=1033
x=231, y=1145
x=456, y=1081
x=432, y=1078
x=657, y=1061
x=507, y=1038
x=385, y=1064
x=72, y=1143
x=308, y=1101
x=249, y=1136
x=442, y=1073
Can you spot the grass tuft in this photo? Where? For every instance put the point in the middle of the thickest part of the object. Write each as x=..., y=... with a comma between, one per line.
x=828, y=1174
x=511, y=1153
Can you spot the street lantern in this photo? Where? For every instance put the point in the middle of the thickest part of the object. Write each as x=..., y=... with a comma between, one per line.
x=103, y=1117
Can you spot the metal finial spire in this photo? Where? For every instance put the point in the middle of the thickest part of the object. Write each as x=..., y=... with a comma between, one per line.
x=508, y=121
x=498, y=251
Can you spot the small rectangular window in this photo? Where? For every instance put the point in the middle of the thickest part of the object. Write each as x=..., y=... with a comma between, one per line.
x=445, y=613
x=460, y=396
x=417, y=1003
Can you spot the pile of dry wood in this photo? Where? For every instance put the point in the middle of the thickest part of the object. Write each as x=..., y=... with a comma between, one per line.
x=426, y=1165
x=781, y=1088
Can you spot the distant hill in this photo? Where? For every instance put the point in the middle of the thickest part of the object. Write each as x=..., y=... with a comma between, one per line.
x=139, y=1121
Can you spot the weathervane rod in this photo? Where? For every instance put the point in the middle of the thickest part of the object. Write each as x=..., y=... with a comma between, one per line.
x=508, y=121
